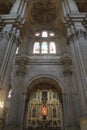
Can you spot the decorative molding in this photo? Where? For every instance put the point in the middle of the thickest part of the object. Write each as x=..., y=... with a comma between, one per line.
x=4, y=35
x=21, y=61
x=76, y=25
x=7, y=35
x=67, y=62
x=80, y=33
x=44, y=12
x=16, y=20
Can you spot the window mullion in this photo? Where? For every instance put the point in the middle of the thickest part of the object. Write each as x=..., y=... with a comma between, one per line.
x=40, y=47
x=48, y=47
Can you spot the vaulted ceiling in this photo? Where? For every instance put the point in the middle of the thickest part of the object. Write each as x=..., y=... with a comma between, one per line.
x=82, y=5
x=5, y=5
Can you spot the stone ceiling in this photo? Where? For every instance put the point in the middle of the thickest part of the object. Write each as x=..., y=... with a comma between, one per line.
x=82, y=5
x=5, y=5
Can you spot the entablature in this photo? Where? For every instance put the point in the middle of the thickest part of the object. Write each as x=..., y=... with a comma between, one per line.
x=16, y=20
x=72, y=18
x=76, y=23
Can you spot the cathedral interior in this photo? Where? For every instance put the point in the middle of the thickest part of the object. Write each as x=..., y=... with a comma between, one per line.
x=43, y=64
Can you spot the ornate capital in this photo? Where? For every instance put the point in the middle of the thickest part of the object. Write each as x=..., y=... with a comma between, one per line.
x=19, y=22
x=4, y=35
x=76, y=24
x=21, y=61
x=66, y=62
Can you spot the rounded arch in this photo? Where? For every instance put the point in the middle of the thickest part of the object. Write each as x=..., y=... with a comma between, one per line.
x=46, y=84
x=40, y=78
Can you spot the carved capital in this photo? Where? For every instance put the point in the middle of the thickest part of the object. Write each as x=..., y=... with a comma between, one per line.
x=67, y=64
x=19, y=22
x=4, y=35
x=73, y=29
x=80, y=33
x=21, y=61
x=66, y=59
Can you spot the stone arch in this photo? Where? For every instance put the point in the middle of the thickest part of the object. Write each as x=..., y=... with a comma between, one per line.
x=56, y=80
x=53, y=83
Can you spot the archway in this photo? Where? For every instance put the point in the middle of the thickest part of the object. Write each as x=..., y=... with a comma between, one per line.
x=44, y=106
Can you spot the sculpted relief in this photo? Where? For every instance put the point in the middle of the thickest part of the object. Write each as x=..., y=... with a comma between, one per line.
x=43, y=12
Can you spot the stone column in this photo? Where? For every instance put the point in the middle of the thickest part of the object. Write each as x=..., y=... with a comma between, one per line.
x=78, y=68
x=16, y=6
x=80, y=79
x=16, y=110
x=69, y=98
x=71, y=118
x=65, y=7
x=19, y=7
x=72, y=6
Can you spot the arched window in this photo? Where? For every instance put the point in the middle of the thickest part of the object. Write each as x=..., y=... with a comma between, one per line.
x=44, y=47
x=45, y=43
x=44, y=34
x=52, y=48
x=36, y=48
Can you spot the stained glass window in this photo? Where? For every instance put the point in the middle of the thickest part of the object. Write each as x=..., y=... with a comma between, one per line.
x=44, y=34
x=45, y=43
x=36, y=47
x=52, y=47
x=44, y=48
